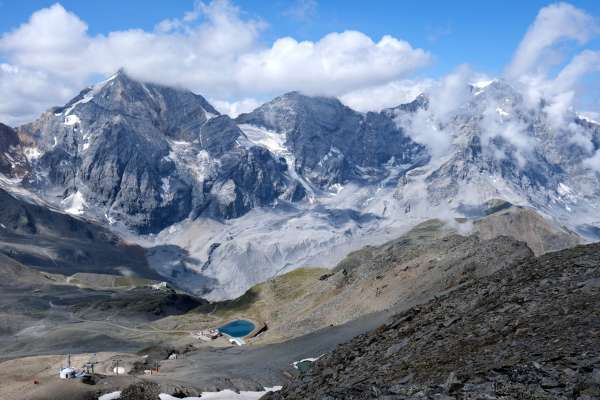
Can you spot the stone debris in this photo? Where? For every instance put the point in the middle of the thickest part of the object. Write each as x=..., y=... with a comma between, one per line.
x=526, y=332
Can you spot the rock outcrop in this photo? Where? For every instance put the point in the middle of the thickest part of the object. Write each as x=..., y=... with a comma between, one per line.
x=13, y=162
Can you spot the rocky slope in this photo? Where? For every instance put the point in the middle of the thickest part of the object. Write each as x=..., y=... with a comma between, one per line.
x=408, y=270
x=45, y=313
x=13, y=162
x=529, y=331
x=526, y=225
x=52, y=241
x=431, y=258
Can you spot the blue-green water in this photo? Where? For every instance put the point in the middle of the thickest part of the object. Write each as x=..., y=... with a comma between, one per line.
x=238, y=328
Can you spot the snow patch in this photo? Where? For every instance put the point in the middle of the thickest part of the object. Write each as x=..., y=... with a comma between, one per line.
x=564, y=190
x=275, y=143
x=74, y=204
x=226, y=395
x=310, y=359
x=502, y=112
x=32, y=153
x=272, y=141
x=225, y=193
x=589, y=117
x=481, y=85
x=188, y=157
x=209, y=115
x=336, y=188
x=94, y=90
x=109, y=218
x=110, y=396
x=71, y=120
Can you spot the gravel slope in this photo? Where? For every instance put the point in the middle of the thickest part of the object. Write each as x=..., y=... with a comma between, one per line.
x=530, y=332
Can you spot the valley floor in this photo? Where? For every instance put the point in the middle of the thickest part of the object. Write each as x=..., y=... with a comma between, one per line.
x=206, y=369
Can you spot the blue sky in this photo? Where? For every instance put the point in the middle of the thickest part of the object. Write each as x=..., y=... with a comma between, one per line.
x=235, y=52
x=483, y=34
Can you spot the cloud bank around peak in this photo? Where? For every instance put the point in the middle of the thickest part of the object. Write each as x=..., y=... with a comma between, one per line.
x=213, y=50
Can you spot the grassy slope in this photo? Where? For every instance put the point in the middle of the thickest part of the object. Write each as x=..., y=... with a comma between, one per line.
x=262, y=301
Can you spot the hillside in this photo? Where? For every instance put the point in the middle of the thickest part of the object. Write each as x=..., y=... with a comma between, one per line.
x=529, y=331
x=427, y=260
x=432, y=257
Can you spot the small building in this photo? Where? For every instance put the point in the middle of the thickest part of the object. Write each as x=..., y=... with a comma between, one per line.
x=207, y=335
x=160, y=286
x=119, y=371
x=67, y=373
x=236, y=340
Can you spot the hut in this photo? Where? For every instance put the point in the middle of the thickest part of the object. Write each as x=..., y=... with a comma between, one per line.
x=67, y=373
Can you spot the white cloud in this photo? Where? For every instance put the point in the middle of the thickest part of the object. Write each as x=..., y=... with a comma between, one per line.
x=446, y=97
x=391, y=94
x=553, y=24
x=24, y=93
x=593, y=162
x=235, y=108
x=213, y=50
x=302, y=10
x=540, y=50
x=338, y=63
x=559, y=93
x=52, y=39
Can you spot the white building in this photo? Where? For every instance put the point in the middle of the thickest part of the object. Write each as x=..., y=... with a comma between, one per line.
x=67, y=373
x=237, y=340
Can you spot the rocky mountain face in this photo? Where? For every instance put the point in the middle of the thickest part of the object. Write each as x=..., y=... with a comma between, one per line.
x=301, y=180
x=332, y=143
x=501, y=147
x=148, y=156
x=13, y=163
x=528, y=331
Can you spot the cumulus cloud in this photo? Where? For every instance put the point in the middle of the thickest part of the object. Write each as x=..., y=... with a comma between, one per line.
x=338, y=63
x=553, y=24
x=213, y=50
x=25, y=92
x=235, y=108
x=593, y=162
x=391, y=94
x=540, y=51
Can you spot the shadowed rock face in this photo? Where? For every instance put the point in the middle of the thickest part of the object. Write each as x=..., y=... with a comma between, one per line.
x=529, y=331
x=54, y=242
x=12, y=161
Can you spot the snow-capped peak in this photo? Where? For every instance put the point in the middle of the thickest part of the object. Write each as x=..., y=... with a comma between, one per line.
x=480, y=86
